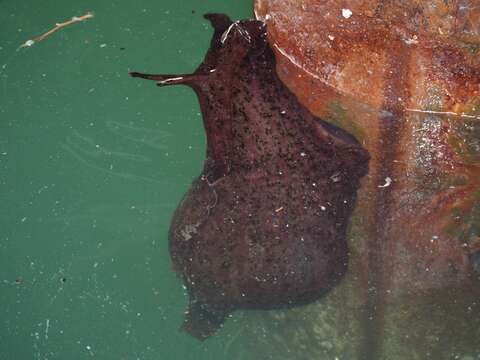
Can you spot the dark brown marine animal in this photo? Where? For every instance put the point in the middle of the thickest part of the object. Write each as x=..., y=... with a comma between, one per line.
x=264, y=225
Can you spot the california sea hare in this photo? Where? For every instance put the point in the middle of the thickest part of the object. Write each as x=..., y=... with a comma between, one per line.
x=264, y=225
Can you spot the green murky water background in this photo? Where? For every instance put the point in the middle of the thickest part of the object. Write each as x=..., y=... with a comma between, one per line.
x=92, y=165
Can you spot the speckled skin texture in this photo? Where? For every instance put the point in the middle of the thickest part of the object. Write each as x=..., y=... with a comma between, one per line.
x=264, y=225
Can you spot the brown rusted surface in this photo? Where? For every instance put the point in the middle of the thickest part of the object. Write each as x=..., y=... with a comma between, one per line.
x=404, y=77
x=386, y=77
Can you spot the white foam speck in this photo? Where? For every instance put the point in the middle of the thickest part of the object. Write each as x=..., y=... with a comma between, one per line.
x=347, y=13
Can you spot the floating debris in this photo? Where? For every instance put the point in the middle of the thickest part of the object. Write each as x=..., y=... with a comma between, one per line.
x=58, y=26
x=388, y=182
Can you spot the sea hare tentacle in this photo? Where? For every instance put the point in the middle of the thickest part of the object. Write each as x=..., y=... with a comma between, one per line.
x=164, y=79
x=264, y=225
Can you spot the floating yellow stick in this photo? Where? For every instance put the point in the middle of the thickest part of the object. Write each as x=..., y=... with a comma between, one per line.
x=58, y=26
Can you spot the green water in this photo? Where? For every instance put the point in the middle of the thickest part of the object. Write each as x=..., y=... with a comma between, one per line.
x=92, y=165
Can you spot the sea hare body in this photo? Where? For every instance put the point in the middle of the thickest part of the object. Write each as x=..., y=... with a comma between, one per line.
x=264, y=225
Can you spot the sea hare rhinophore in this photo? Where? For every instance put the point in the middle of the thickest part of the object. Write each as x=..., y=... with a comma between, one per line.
x=264, y=225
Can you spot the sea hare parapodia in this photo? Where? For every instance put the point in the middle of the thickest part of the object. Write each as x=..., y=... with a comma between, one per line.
x=264, y=225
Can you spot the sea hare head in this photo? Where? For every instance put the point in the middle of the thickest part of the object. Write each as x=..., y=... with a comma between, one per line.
x=264, y=225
